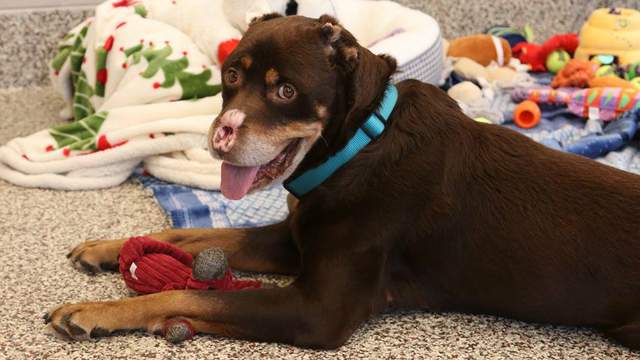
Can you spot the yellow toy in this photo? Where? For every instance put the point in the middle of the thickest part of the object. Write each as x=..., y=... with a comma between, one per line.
x=614, y=32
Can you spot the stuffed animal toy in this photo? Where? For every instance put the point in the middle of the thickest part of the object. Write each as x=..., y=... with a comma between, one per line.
x=605, y=104
x=582, y=73
x=611, y=81
x=536, y=55
x=614, y=32
x=483, y=49
x=576, y=73
x=501, y=76
x=513, y=35
x=466, y=92
x=149, y=266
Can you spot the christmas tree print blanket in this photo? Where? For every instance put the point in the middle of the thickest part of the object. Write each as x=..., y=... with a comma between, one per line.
x=142, y=86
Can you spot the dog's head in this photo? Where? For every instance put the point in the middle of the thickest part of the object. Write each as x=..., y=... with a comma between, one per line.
x=290, y=81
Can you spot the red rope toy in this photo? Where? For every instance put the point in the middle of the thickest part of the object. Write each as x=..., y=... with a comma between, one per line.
x=149, y=266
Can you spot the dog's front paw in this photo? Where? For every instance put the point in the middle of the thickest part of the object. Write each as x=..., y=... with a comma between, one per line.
x=96, y=256
x=80, y=321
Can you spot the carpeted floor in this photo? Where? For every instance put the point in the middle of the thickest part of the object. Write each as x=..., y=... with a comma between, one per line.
x=37, y=228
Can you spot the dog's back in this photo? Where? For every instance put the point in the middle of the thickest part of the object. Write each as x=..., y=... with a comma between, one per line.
x=504, y=225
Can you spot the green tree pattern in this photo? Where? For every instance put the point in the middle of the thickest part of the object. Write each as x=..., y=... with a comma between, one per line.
x=81, y=134
x=194, y=86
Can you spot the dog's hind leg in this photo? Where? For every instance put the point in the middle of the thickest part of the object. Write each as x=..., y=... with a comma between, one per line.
x=264, y=249
x=627, y=335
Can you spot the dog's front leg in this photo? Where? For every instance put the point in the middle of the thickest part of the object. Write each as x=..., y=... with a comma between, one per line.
x=263, y=249
x=321, y=309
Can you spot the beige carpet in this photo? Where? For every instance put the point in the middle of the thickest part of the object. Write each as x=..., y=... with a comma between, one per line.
x=37, y=228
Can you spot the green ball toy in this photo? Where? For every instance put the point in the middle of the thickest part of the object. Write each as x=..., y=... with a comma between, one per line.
x=557, y=60
x=633, y=71
x=606, y=70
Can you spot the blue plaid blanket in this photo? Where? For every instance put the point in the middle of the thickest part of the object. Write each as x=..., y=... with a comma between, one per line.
x=191, y=208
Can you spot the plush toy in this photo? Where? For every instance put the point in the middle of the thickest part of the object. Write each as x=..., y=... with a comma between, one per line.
x=466, y=92
x=150, y=266
x=471, y=70
x=611, y=81
x=605, y=104
x=537, y=55
x=483, y=49
x=582, y=73
x=614, y=32
x=576, y=73
x=225, y=49
x=513, y=35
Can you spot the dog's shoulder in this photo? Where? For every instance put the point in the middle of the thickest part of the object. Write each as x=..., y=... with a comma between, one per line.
x=428, y=114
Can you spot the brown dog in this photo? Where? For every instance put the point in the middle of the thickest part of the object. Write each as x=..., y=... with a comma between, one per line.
x=440, y=213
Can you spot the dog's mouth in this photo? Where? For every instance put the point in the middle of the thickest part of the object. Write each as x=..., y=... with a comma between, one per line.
x=237, y=181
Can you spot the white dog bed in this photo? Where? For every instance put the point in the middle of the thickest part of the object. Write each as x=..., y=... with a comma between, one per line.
x=385, y=27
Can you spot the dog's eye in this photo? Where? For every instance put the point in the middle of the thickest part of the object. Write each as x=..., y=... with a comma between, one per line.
x=231, y=76
x=286, y=92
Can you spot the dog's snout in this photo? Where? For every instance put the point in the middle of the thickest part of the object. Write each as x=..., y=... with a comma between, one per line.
x=225, y=135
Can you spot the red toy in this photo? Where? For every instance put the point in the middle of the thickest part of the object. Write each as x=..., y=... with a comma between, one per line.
x=150, y=266
x=225, y=49
x=536, y=55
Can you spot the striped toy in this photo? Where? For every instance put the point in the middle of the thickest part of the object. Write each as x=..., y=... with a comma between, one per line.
x=608, y=102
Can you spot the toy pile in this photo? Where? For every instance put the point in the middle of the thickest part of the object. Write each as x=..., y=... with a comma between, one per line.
x=574, y=92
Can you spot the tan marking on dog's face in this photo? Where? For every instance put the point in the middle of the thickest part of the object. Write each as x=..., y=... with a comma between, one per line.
x=322, y=112
x=246, y=61
x=271, y=77
x=350, y=53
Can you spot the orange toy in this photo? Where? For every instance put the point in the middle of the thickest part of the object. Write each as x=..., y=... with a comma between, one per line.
x=482, y=49
x=610, y=81
x=527, y=114
x=576, y=73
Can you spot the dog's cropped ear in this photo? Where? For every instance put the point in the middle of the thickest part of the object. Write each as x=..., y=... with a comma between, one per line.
x=367, y=83
x=340, y=45
x=366, y=74
x=265, y=17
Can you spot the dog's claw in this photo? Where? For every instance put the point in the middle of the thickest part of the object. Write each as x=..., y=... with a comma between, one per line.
x=109, y=266
x=99, y=332
x=47, y=318
x=88, y=268
x=93, y=257
x=61, y=332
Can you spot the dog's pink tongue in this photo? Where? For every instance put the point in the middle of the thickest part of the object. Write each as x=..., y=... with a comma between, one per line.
x=237, y=180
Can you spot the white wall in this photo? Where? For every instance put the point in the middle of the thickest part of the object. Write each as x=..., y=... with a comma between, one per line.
x=38, y=4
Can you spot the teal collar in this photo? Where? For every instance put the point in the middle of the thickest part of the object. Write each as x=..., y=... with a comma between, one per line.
x=369, y=131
